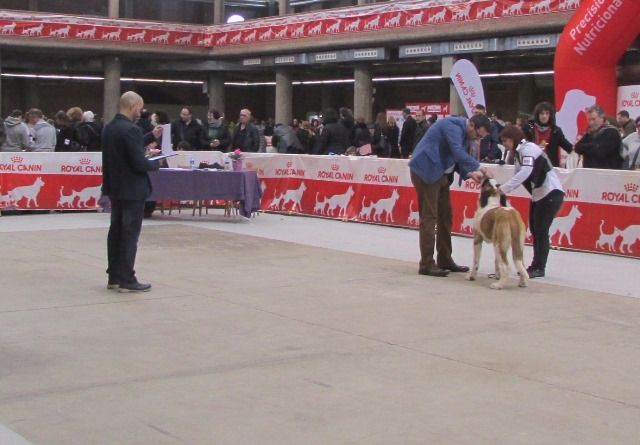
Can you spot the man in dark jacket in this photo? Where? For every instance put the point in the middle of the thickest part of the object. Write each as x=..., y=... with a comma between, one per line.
x=246, y=136
x=126, y=182
x=408, y=133
x=422, y=125
x=215, y=136
x=334, y=137
x=186, y=129
x=600, y=146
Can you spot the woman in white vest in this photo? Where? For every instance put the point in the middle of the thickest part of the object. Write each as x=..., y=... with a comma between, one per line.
x=534, y=171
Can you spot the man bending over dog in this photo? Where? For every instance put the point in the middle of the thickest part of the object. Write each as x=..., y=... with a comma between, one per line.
x=442, y=150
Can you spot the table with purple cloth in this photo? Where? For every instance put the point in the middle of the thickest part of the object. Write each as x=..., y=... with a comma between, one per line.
x=186, y=184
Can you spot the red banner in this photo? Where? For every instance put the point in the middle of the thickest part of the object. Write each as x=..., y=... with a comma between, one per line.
x=586, y=56
x=390, y=15
x=601, y=212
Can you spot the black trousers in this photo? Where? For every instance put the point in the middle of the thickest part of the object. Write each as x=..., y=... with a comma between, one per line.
x=122, y=241
x=541, y=214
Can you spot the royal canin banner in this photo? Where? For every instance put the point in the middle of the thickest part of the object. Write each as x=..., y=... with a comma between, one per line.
x=629, y=100
x=601, y=211
x=375, y=17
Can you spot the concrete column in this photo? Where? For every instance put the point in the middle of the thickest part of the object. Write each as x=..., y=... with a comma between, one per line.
x=33, y=5
x=284, y=97
x=526, y=87
x=218, y=12
x=456, y=107
x=283, y=7
x=363, y=93
x=362, y=2
x=114, y=8
x=215, y=90
x=112, y=69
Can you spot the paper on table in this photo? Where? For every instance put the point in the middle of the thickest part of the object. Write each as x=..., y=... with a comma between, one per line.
x=166, y=148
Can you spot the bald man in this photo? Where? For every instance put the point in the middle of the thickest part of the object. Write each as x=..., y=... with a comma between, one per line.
x=126, y=182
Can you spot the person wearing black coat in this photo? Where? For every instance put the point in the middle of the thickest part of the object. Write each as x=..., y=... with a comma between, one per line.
x=408, y=133
x=334, y=137
x=145, y=121
x=543, y=131
x=600, y=146
x=125, y=181
x=215, y=135
x=186, y=129
x=361, y=133
x=246, y=135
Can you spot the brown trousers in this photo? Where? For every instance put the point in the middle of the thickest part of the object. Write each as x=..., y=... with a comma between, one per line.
x=434, y=204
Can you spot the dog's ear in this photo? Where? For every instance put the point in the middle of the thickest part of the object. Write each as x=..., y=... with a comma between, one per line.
x=503, y=200
x=484, y=198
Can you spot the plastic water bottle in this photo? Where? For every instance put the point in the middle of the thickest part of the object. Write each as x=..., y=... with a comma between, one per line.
x=192, y=163
x=227, y=163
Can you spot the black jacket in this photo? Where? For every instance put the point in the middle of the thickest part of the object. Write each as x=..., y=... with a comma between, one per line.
x=601, y=149
x=192, y=133
x=361, y=135
x=407, y=136
x=334, y=138
x=247, y=139
x=421, y=129
x=221, y=133
x=556, y=140
x=124, y=167
x=89, y=135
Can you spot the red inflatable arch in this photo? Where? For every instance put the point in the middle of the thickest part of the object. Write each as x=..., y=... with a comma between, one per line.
x=589, y=48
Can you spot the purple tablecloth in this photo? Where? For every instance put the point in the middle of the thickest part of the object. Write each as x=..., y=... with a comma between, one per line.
x=204, y=184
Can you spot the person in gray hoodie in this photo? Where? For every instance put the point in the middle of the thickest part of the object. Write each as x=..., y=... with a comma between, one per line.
x=16, y=133
x=43, y=133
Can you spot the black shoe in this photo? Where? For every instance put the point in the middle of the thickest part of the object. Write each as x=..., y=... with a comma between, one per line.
x=535, y=273
x=113, y=283
x=453, y=267
x=433, y=271
x=134, y=287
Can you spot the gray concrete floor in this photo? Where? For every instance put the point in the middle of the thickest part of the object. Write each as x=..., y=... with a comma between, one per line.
x=284, y=330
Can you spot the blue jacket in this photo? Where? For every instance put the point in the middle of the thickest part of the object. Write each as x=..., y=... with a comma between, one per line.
x=442, y=147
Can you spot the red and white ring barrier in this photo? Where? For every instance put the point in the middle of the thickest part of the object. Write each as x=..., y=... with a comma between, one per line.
x=601, y=212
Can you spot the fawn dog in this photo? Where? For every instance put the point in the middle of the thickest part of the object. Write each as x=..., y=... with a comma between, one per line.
x=503, y=227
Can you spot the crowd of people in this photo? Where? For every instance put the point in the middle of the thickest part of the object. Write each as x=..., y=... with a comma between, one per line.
x=610, y=143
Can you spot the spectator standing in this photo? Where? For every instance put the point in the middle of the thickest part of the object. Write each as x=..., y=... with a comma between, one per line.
x=631, y=148
x=74, y=114
x=393, y=134
x=380, y=146
x=126, y=183
x=246, y=136
x=186, y=129
x=422, y=125
x=488, y=150
x=600, y=146
x=625, y=123
x=543, y=131
x=436, y=157
x=285, y=139
x=145, y=121
x=89, y=132
x=215, y=135
x=334, y=137
x=43, y=134
x=16, y=133
x=64, y=131
x=408, y=133
x=361, y=133
x=306, y=136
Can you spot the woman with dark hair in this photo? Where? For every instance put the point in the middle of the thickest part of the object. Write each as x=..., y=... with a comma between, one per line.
x=334, y=137
x=543, y=131
x=533, y=170
x=380, y=139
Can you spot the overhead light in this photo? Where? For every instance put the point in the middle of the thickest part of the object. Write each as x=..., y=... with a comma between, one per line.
x=297, y=82
x=235, y=18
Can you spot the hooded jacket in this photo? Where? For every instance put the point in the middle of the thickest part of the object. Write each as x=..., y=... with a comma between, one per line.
x=44, y=137
x=16, y=135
